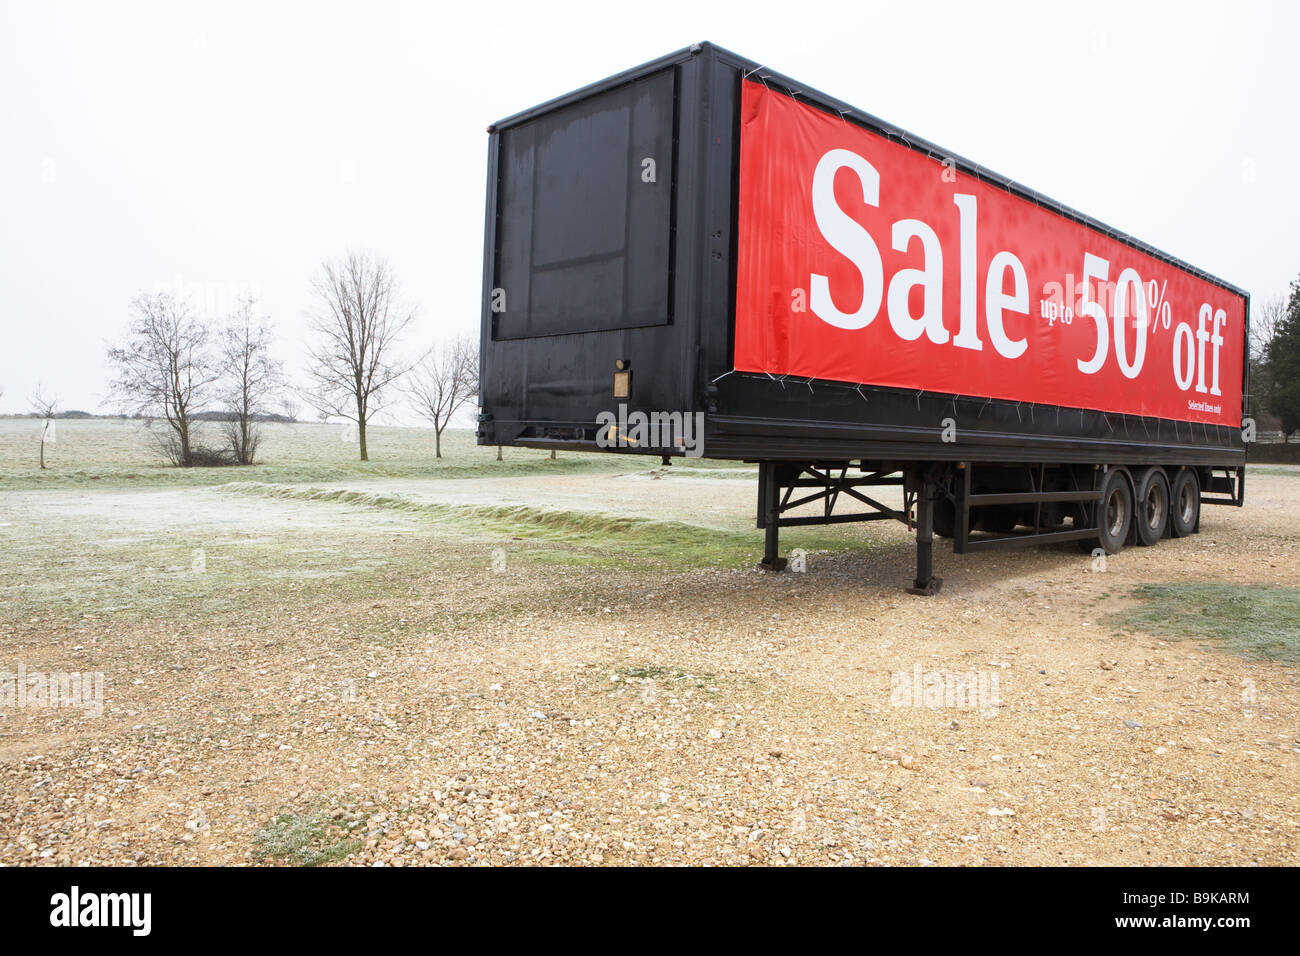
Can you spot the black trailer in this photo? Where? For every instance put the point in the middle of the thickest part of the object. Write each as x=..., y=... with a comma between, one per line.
x=599, y=295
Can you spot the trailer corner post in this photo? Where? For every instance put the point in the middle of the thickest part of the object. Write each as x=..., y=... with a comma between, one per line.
x=925, y=582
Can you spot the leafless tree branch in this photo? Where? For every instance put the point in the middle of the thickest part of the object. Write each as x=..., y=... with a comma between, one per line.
x=164, y=370
x=358, y=324
x=250, y=377
x=45, y=408
x=1264, y=322
x=443, y=382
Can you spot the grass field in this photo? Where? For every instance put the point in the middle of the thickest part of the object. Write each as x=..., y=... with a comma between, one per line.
x=1255, y=621
x=121, y=453
x=313, y=519
x=319, y=661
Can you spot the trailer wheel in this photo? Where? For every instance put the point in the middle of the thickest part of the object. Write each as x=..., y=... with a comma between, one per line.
x=1114, y=512
x=1185, y=504
x=1151, y=509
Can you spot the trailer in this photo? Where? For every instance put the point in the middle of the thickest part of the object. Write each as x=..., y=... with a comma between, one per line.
x=700, y=256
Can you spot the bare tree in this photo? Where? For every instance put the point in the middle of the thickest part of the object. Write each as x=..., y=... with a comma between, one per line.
x=45, y=408
x=1264, y=322
x=358, y=325
x=250, y=375
x=164, y=370
x=442, y=384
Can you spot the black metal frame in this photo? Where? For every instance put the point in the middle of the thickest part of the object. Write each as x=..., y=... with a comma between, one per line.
x=1226, y=489
x=965, y=501
x=925, y=485
x=778, y=480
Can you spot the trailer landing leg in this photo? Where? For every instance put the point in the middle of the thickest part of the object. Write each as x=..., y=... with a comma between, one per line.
x=769, y=513
x=925, y=583
x=771, y=561
x=824, y=483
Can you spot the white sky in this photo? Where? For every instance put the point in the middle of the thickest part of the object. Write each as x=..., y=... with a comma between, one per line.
x=211, y=147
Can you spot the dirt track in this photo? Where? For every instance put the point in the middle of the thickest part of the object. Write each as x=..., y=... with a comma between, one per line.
x=444, y=712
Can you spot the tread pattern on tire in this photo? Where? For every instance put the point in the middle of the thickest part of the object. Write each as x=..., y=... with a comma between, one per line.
x=1115, y=480
x=1144, y=481
x=1178, y=527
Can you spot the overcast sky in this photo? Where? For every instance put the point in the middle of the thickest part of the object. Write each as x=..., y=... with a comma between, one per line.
x=212, y=147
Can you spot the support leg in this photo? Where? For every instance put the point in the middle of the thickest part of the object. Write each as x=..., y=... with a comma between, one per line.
x=925, y=583
x=769, y=492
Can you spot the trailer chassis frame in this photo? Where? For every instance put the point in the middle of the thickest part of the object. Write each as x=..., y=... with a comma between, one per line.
x=924, y=486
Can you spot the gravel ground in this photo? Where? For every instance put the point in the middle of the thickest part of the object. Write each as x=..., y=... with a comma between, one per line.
x=358, y=687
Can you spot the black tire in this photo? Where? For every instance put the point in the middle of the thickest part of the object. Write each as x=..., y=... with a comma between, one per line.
x=1151, y=507
x=1114, y=512
x=1185, y=504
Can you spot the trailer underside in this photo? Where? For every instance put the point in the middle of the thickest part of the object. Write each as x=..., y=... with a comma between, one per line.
x=985, y=507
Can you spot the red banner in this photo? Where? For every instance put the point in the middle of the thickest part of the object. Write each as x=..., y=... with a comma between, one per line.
x=863, y=261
